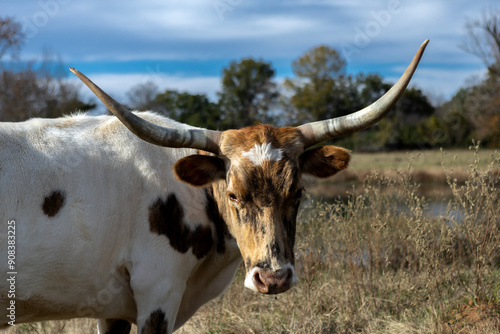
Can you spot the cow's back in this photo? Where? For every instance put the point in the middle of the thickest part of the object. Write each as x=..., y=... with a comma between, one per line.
x=77, y=190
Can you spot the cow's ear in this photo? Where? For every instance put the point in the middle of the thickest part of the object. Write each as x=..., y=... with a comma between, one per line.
x=200, y=170
x=324, y=161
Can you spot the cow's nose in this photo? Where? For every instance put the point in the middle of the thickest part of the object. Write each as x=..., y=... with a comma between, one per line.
x=272, y=282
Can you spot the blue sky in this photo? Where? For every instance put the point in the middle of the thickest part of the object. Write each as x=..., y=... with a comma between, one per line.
x=184, y=44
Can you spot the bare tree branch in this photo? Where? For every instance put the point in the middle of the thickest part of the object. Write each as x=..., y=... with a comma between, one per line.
x=483, y=39
x=11, y=36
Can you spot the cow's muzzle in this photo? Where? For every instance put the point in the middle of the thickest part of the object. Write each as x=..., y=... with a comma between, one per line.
x=271, y=281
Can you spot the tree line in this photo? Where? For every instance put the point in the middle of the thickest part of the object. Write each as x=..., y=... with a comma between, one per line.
x=320, y=89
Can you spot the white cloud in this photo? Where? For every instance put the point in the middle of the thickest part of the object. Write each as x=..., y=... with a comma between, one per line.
x=194, y=30
x=441, y=83
x=117, y=85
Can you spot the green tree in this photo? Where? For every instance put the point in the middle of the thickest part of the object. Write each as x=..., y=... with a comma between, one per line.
x=403, y=127
x=370, y=87
x=477, y=109
x=249, y=94
x=321, y=88
x=319, y=63
x=452, y=127
x=193, y=109
x=405, y=124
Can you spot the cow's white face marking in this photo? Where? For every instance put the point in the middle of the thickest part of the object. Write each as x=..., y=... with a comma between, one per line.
x=263, y=152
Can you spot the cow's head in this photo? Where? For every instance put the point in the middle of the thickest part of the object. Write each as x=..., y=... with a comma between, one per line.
x=256, y=172
x=258, y=177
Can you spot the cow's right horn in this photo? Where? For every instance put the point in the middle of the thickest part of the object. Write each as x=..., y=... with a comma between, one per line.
x=319, y=131
x=207, y=140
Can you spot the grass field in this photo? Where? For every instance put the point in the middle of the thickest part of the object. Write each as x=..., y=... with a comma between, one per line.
x=368, y=266
x=423, y=160
x=431, y=169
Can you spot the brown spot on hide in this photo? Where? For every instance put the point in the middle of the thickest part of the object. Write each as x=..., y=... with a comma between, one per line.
x=53, y=203
x=156, y=323
x=201, y=241
x=167, y=218
x=213, y=213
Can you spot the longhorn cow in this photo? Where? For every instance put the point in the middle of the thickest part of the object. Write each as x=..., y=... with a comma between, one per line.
x=97, y=224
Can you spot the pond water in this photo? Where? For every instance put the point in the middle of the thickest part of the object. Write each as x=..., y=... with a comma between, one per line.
x=437, y=198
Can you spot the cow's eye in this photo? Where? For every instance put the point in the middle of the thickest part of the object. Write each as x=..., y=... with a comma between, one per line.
x=233, y=198
x=299, y=195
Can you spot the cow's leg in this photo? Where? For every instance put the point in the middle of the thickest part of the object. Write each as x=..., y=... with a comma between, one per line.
x=157, y=309
x=113, y=326
x=158, y=298
x=156, y=322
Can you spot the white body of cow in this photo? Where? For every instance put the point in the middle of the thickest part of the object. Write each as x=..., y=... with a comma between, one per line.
x=79, y=191
x=95, y=223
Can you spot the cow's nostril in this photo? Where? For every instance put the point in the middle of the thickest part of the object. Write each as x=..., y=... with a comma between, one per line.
x=271, y=282
x=259, y=284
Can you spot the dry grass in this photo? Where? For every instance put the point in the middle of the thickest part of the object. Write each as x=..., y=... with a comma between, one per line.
x=377, y=263
x=420, y=160
x=75, y=326
x=368, y=265
x=430, y=168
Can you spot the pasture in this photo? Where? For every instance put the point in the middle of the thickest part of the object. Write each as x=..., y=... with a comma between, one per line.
x=375, y=261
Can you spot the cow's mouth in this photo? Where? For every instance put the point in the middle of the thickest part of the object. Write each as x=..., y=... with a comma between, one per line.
x=268, y=281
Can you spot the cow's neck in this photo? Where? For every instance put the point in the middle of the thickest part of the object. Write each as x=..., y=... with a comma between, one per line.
x=219, y=212
x=217, y=270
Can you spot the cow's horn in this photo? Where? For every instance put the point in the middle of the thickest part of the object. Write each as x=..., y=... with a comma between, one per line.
x=317, y=132
x=206, y=140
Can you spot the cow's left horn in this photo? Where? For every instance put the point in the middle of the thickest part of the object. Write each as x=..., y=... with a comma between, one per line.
x=317, y=132
x=206, y=140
